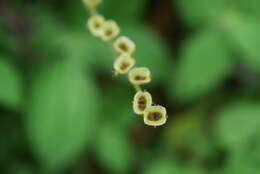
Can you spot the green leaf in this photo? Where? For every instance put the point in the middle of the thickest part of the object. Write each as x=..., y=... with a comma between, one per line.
x=113, y=150
x=61, y=114
x=250, y=7
x=201, y=12
x=237, y=122
x=187, y=133
x=169, y=166
x=21, y=169
x=123, y=12
x=52, y=39
x=76, y=14
x=8, y=41
x=10, y=84
x=122, y=117
x=47, y=33
x=243, y=34
x=204, y=63
x=241, y=160
x=257, y=148
x=82, y=49
x=163, y=167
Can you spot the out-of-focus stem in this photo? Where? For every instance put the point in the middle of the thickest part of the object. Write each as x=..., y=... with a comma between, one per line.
x=137, y=88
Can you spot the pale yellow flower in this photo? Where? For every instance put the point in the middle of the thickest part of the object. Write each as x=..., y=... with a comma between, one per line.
x=155, y=116
x=139, y=76
x=124, y=45
x=109, y=30
x=142, y=100
x=92, y=3
x=123, y=63
x=95, y=23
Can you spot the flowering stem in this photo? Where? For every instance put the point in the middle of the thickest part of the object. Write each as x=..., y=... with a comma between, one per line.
x=137, y=88
x=123, y=47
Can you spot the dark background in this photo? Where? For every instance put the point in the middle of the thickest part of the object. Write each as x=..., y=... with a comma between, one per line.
x=62, y=111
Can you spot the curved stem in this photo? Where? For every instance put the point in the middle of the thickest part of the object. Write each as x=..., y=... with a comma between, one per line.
x=137, y=88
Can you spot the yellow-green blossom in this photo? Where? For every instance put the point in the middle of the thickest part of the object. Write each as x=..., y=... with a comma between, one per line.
x=124, y=45
x=123, y=64
x=142, y=100
x=95, y=24
x=139, y=76
x=92, y=3
x=109, y=30
x=155, y=116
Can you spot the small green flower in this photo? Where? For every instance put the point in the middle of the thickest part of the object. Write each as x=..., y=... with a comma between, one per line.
x=124, y=45
x=95, y=23
x=139, y=76
x=155, y=116
x=109, y=30
x=142, y=100
x=92, y=3
x=123, y=64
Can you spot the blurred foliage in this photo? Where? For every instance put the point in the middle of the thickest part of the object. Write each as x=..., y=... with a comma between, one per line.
x=63, y=111
x=245, y=115
x=197, y=60
x=63, y=84
x=11, y=85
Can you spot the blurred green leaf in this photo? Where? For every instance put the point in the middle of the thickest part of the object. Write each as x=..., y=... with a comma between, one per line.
x=237, y=122
x=187, y=133
x=21, y=169
x=169, y=166
x=123, y=12
x=61, y=114
x=84, y=50
x=242, y=168
x=47, y=34
x=250, y=7
x=257, y=146
x=200, y=12
x=204, y=63
x=75, y=14
x=10, y=84
x=101, y=55
x=241, y=160
x=166, y=166
x=121, y=117
x=113, y=150
x=53, y=39
x=243, y=33
x=8, y=41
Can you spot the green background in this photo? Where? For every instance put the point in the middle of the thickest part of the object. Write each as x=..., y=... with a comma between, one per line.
x=62, y=111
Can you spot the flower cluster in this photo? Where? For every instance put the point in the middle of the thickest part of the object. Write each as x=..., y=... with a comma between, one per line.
x=124, y=47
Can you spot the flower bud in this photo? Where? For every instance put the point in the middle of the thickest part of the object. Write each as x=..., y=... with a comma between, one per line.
x=142, y=100
x=91, y=3
x=155, y=115
x=124, y=45
x=123, y=63
x=139, y=76
x=109, y=30
x=95, y=23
